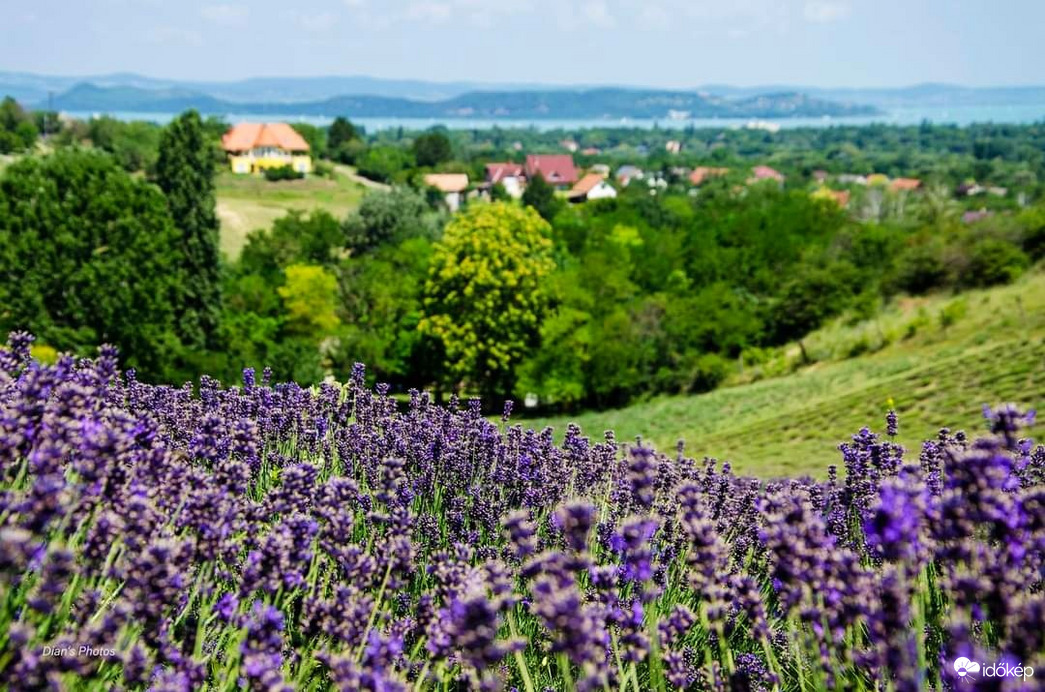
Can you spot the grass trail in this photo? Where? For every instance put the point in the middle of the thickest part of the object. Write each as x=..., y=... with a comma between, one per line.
x=247, y=202
x=935, y=376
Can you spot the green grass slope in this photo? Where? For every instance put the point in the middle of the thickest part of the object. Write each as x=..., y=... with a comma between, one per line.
x=991, y=350
x=246, y=202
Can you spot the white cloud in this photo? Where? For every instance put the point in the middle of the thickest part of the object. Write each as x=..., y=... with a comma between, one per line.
x=825, y=11
x=225, y=15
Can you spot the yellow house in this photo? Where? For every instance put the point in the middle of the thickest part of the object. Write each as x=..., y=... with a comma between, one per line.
x=253, y=147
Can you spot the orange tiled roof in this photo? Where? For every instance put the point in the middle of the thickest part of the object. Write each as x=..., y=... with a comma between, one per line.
x=702, y=173
x=586, y=184
x=246, y=136
x=447, y=182
x=900, y=184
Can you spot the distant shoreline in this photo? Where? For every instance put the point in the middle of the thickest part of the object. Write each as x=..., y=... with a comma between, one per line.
x=1022, y=114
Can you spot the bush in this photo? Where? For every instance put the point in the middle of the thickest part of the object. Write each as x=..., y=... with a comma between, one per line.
x=282, y=173
x=993, y=262
x=920, y=270
x=708, y=372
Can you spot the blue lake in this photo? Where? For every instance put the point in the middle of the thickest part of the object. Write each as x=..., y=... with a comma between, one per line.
x=958, y=115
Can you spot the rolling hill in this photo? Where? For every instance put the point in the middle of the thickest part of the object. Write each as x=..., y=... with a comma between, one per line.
x=935, y=376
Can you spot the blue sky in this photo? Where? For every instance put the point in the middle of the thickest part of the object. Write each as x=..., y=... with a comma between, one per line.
x=669, y=43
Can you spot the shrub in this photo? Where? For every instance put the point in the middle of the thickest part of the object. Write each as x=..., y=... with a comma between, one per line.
x=708, y=372
x=282, y=173
x=992, y=262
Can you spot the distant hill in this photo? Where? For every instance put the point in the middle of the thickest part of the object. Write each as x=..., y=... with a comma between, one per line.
x=34, y=89
x=601, y=103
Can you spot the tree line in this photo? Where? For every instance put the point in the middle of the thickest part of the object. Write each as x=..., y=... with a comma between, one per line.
x=589, y=305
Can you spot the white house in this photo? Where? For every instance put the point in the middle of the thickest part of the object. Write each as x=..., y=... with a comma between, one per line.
x=452, y=185
x=591, y=186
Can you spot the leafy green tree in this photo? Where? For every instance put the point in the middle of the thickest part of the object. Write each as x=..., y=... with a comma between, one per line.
x=135, y=145
x=185, y=173
x=807, y=301
x=993, y=262
x=485, y=296
x=389, y=218
x=381, y=294
x=384, y=163
x=341, y=131
x=310, y=298
x=541, y=196
x=17, y=130
x=432, y=149
x=295, y=238
x=88, y=254
x=315, y=136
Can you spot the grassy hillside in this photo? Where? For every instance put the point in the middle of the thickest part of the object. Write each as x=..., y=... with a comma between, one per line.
x=247, y=202
x=992, y=349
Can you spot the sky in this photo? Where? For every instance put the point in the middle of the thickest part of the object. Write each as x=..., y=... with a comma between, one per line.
x=662, y=43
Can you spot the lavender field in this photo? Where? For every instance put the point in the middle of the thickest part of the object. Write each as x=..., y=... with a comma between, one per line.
x=272, y=537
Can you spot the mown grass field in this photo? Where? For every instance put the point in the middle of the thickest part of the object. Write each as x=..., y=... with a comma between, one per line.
x=934, y=375
x=247, y=202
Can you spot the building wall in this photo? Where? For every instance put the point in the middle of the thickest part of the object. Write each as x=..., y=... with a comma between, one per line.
x=249, y=163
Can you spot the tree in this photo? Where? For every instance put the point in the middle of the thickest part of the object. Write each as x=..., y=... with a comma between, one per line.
x=485, y=296
x=541, y=196
x=315, y=136
x=388, y=218
x=384, y=163
x=310, y=298
x=185, y=173
x=807, y=301
x=432, y=149
x=341, y=132
x=87, y=256
x=17, y=130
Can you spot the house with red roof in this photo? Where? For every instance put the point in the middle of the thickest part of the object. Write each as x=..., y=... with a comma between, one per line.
x=509, y=175
x=905, y=184
x=556, y=169
x=701, y=174
x=253, y=147
x=759, y=173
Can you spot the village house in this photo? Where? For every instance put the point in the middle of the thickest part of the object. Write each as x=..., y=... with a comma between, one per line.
x=760, y=173
x=627, y=173
x=673, y=146
x=254, y=147
x=591, y=186
x=556, y=169
x=905, y=184
x=602, y=169
x=509, y=175
x=851, y=179
x=839, y=197
x=701, y=174
x=452, y=185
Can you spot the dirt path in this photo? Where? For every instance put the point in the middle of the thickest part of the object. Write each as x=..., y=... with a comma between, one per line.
x=350, y=173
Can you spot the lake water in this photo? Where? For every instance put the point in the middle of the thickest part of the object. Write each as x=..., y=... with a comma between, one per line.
x=958, y=115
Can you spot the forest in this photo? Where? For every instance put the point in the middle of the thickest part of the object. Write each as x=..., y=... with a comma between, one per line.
x=108, y=234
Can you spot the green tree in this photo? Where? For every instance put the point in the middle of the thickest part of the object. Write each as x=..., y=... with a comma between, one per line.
x=17, y=130
x=341, y=132
x=384, y=163
x=315, y=136
x=88, y=255
x=541, y=196
x=389, y=218
x=432, y=149
x=485, y=295
x=310, y=298
x=185, y=173
x=807, y=301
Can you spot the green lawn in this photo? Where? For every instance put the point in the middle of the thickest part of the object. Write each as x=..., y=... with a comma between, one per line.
x=792, y=424
x=247, y=202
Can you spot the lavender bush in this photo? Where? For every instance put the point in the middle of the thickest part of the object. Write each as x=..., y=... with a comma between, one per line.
x=271, y=537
